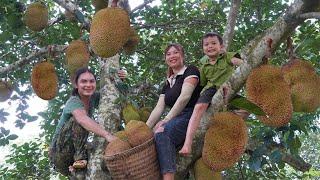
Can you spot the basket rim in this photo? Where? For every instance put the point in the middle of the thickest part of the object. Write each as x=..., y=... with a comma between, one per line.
x=129, y=151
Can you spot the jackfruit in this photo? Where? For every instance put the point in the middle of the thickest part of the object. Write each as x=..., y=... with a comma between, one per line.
x=116, y=146
x=304, y=82
x=44, y=80
x=109, y=31
x=306, y=96
x=144, y=113
x=203, y=172
x=99, y=4
x=77, y=56
x=296, y=71
x=267, y=89
x=138, y=132
x=132, y=42
x=5, y=90
x=224, y=141
x=36, y=16
x=121, y=135
x=129, y=112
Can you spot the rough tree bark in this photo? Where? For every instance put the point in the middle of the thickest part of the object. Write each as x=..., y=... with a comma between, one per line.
x=253, y=54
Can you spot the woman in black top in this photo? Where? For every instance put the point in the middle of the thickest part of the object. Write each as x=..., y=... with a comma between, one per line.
x=180, y=93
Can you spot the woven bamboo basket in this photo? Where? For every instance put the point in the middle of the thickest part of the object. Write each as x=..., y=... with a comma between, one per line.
x=137, y=163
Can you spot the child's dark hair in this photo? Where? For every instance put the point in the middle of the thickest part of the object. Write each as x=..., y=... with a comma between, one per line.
x=212, y=34
x=76, y=77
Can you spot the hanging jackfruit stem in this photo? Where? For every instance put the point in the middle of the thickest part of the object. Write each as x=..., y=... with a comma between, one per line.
x=114, y=3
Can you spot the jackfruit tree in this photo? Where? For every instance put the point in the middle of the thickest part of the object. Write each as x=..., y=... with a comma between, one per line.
x=282, y=144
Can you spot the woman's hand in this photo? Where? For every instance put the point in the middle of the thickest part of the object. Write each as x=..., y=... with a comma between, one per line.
x=159, y=127
x=122, y=74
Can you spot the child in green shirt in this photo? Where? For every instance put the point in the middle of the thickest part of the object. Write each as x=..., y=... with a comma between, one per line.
x=216, y=69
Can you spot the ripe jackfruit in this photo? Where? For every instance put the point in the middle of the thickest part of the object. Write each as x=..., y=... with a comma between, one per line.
x=36, y=16
x=132, y=42
x=115, y=147
x=122, y=135
x=129, y=112
x=5, y=90
x=306, y=96
x=296, y=71
x=99, y=4
x=224, y=141
x=77, y=56
x=267, y=88
x=109, y=31
x=138, y=132
x=203, y=172
x=304, y=82
x=44, y=80
x=144, y=113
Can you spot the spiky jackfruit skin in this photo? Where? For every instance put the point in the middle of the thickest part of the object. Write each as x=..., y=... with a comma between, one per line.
x=109, y=31
x=267, y=88
x=44, y=80
x=138, y=132
x=304, y=83
x=36, y=16
x=122, y=135
x=296, y=71
x=203, y=172
x=306, y=96
x=99, y=4
x=115, y=147
x=6, y=90
x=77, y=56
x=129, y=112
x=132, y=42
x=224, y=141
x=144, y=113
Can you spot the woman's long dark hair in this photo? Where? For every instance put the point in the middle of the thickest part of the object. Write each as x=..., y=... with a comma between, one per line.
x=76, y=78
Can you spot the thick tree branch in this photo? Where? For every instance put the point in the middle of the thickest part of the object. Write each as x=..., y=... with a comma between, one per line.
x=253, y=55
x=231, y=22
x=69, y=6
x=310, y=15
x=34, y=54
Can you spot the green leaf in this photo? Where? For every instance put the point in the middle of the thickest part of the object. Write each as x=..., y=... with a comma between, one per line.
x=276, y=156
x=12, y=137
x=245, y=104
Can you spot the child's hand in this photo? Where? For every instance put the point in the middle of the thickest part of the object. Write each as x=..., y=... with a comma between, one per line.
x=159, y=127
x=185, y=150
x=236, y=61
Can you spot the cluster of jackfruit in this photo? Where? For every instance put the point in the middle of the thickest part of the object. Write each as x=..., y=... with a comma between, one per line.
x=129, y=112
x=132, y=42
x=99, y=4
x=224, y=141
x=110, y=31
x=36, y=16
x=134, y=134
x=6, y=89
x=44, y=80
x=203, y=172
x=304, y=83
x=77, y=56
x=267, y=88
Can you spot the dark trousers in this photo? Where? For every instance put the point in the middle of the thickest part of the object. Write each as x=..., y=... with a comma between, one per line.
x=170, y=139
x=69, y=146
